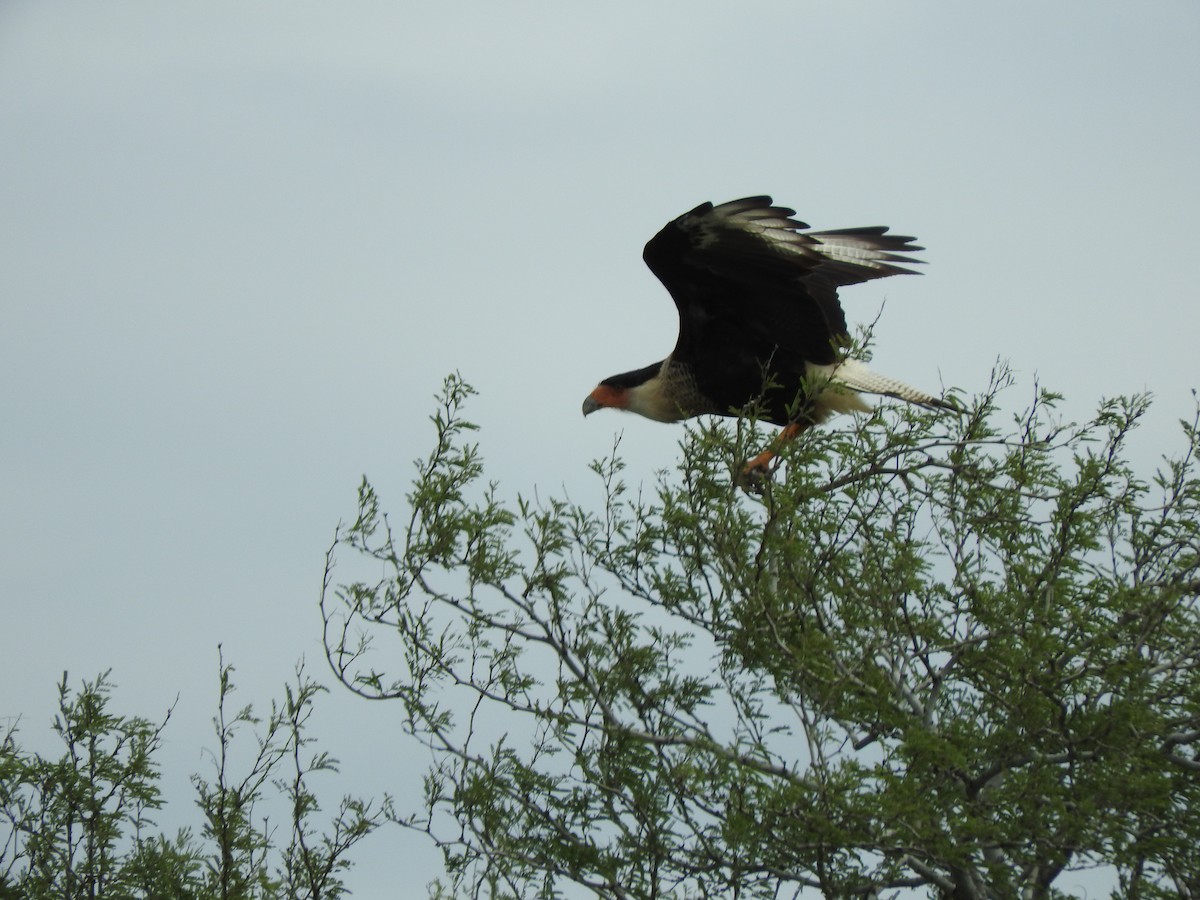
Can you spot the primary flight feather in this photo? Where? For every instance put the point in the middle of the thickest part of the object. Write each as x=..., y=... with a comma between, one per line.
x=759, y=318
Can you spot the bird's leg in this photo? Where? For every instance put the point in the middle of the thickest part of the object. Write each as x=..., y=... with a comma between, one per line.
x=760, y=466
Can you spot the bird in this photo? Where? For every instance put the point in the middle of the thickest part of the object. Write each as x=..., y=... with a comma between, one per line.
x=760, y=323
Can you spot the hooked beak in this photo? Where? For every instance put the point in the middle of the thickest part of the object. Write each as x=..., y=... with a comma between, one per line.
x=590, y=405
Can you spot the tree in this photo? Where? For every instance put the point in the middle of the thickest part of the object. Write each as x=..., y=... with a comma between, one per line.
x=66, y=817
x=80, y=826
x=933, y=654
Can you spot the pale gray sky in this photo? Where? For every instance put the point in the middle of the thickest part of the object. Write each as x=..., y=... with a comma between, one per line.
x=241, y=244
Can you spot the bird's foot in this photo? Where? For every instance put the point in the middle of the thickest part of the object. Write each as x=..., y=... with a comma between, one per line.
x=756, y=473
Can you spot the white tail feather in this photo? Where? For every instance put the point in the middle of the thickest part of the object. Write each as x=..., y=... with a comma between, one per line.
x=854, y=375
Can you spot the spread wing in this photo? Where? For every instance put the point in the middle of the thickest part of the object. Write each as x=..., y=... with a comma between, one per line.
x=751, y=282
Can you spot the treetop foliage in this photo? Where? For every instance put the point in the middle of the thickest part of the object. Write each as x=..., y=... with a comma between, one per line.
x=936, y=655
x=81, y=825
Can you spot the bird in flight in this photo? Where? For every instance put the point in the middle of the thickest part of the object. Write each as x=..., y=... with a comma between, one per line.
x=759, y=320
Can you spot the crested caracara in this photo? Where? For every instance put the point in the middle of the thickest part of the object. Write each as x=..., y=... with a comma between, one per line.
x=759, y=319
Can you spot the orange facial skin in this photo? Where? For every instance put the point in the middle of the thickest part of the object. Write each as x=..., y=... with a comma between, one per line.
x=606, y=397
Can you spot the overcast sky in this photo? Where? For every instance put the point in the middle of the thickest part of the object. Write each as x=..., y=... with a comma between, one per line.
x=242, y=243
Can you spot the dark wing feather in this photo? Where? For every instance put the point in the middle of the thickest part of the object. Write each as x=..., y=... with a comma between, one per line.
x=754, y=289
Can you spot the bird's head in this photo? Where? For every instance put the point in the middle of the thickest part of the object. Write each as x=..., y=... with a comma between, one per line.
x=606, y=396
x=642, y=391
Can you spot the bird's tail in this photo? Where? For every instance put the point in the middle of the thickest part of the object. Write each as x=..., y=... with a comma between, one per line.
x=858, y=377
